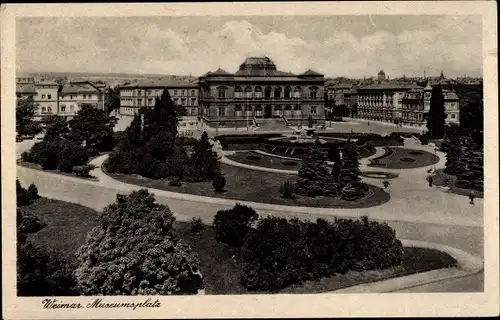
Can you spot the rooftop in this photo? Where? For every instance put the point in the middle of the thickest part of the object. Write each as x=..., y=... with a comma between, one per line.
x=172, y=82
x=25, y=88
x=390, y=86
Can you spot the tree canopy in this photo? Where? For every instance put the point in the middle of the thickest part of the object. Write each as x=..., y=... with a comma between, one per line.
x=25, y=113
x=436, y=117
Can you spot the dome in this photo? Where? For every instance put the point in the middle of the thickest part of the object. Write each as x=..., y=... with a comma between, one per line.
x=258, y=63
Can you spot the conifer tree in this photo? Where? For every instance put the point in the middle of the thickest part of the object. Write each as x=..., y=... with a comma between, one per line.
x=205, y=161
x=313, y=172
x=437, y=115
x=349, y=169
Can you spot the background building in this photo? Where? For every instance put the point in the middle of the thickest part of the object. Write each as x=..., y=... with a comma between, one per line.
x=183, y=91
x=25, y=87
x=261, y=94
x=73, y=96
x=47, y=98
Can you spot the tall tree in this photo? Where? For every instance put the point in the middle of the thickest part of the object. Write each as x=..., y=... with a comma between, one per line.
x=93, y=127
x=57, y=128
x=162, y=116
x=112, y=101
x=437, y=115
x=349, y=168
x=205, y=161
x=471, y=118
x=135, y=251
x=313, y=172
x=25, y=113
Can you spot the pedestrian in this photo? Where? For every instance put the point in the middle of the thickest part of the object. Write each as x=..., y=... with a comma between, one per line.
x=430, y=181
x=471, y=197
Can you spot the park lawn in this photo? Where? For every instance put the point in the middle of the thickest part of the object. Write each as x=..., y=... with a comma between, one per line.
x=220, y=265
x=68, y=225
x=260, y=160
x=438, y=180
x=393, y=159
x=256, y=186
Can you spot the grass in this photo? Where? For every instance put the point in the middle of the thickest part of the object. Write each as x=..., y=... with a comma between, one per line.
x=379, y=175
x=392, y=159
x=68, y=225
x=264, y=161
x=221, y=267
x=438, y=180
x=257, y=186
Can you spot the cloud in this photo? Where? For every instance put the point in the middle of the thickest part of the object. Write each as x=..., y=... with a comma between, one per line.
x=452, y=44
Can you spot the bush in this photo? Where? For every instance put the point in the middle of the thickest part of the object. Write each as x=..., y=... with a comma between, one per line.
x=280, y=252
x=231, y=226
x=331, y=189
x=287, y=190
x=41, y=272
x=424, y=140
x=219, y=183
x=176, y=182
x=350, y=193
x=27, y=222
x=83, y=171
x=25, y=197
x=134, y=250
x=196, y=225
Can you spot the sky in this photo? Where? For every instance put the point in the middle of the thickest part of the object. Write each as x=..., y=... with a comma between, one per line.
x=352, y=46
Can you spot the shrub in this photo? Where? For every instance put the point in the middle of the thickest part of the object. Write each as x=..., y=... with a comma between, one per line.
x=424, y=140
x=176, y=182
x=42, y=272
x=349, y=193
x=231, y=226
x=287, y=190
x=289, y=163
x=219, y=182
x=27, y=222
x=280, y=252
x=25, y=197
x=83, y=171
x=134, y=250
x=196, y=225
x=386, y=184
x=331, y=189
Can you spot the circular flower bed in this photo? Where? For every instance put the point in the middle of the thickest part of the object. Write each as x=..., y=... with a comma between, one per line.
x=253, y=158
x=289, y=163
x=407, y=159
x=416, y=153
x=378, y=175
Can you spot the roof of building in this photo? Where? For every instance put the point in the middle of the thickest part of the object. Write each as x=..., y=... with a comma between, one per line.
x=311, y=72
x=450, y=95
x=25, y=88
x=173, y=82
x=46, y=83
x=342, y=85
x=390, y=86
x=258, y=63
x=71, y=88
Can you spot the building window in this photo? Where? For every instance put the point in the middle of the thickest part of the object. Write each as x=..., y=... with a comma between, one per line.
x=314, y=109
x=193, y=92
x=313, y=92
x=43, y=96
x=287, y=92
x=221, y=111
x=139, y=92
x=193, y=111
x=297, y=92
x=258, y=92
x=183, y=101
x=63, y=108
x=238, y=92
x=237, y=110
x=193, y=101
x=150, y=102
x=44, y=110
x=183, y=92
x=176, y=100
x=277, y=92
x=71, y=96
x=139, y=101
x=267, y=92
x=221, y=93
x=148, y=92
x=258, y=111
x=248, y=92
x=49, y=96
x=49, y=109
x=175, y=92
x=453, y=116
x=278, y=111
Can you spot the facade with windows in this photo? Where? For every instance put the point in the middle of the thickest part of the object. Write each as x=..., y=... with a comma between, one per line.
x=72, y=97
x=258, y=90
x=183, y=92
x=47, y=98
x=382, y=101
x=451, y=107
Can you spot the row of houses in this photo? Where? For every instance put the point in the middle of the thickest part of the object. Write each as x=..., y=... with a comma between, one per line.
x=404, y=102
x=52, y=98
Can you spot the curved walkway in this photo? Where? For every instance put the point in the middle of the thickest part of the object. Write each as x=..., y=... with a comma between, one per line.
x=416, y=211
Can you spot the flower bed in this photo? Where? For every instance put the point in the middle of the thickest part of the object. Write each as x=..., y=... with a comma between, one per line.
x=399, y=158
x=378, y=175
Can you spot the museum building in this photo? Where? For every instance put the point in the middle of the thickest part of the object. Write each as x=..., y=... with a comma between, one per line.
x=259, y=93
